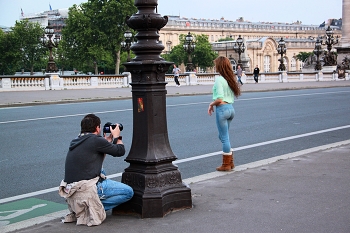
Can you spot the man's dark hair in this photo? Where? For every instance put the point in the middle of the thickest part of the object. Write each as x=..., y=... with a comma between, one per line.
x=89, y=123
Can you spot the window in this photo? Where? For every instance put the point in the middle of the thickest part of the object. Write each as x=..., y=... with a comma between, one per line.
x=267, y=64
x=293, y=64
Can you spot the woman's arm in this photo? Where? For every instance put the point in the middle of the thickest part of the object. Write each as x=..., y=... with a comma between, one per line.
x=212, y=104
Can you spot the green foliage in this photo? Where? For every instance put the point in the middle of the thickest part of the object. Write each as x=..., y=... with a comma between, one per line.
x=226, y=39
x=21, y=48
x=94, y=32
x=9, y=50
x=31, y=50
x=203, y=55
x=302, y=56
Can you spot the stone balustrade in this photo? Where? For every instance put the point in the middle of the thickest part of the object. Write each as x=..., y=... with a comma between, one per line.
x=60, y=82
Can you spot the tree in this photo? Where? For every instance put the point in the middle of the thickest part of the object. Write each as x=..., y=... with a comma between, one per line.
x=228, y=38
x=28, y=35
x=203, y=55
x=94, y=32
x=302, y=56
x=9, y=50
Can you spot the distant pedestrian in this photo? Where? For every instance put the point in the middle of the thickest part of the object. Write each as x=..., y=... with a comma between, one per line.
x=224, y=90
x=239, y=74
x=176, y=72
x=256, y=73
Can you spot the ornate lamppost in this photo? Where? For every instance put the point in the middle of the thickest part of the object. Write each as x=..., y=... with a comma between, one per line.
x=126, y=44
x=281, y=49
x=50, y=42
x=318, y=51
x=156, y=181
x=330, y=58
x=189, y=47
x=239, y=47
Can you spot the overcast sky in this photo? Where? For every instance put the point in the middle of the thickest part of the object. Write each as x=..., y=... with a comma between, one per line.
x=288, y=11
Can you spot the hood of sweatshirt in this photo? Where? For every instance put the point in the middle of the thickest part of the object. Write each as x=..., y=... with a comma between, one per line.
x=80, y=139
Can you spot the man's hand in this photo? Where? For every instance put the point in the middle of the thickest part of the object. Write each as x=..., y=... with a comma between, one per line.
x=116, y=131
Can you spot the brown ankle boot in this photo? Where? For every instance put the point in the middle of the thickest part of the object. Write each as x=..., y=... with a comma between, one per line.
x=232, y=163
x=226, y=163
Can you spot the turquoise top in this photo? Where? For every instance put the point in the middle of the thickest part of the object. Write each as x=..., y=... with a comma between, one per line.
x=221, y=90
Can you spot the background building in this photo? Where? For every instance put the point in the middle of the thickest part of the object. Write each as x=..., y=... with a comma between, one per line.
x=261, y=39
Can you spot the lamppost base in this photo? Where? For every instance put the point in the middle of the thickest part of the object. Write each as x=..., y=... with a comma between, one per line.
x=155, y=194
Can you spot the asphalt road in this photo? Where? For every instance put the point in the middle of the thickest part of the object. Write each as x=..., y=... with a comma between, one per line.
x=35, y=139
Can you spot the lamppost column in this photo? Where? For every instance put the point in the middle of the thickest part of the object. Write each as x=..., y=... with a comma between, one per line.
x=156, y=181
x=50, y=42
x=239, y=47
x=189, y=46
x=281, y=49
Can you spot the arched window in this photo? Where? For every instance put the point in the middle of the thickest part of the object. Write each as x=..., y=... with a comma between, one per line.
x=234, y=64
x=267, y=64
x=293, y=64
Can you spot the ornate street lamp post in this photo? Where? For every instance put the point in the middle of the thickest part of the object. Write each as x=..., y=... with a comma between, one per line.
x=281, y=49
x=126, y=45
x=50, y=42
x=239, y=47
x=318, y=51
x=330, y=58
x=189, y=47
x=156, y=181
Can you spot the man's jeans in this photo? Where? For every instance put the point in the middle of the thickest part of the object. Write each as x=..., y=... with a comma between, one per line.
x=224, y=116
x=113, y=193
x=176, y=79
x=239, y=79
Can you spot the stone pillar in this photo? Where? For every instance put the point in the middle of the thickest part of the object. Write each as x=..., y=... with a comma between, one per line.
x=345, y=40
x=343, y=49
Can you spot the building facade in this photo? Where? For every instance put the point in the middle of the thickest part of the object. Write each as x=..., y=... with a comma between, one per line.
x=260, y=38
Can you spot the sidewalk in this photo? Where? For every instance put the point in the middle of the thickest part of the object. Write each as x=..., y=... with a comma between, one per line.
x=23, y=98
x=296, y=193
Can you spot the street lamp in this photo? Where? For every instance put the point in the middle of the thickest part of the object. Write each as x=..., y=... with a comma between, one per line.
x=318, y=51
x=330, y=58
x=239, y=47
x=189, y=47
x=50, y=42
x=156, y=181
x=126, y=45
x=281, y=49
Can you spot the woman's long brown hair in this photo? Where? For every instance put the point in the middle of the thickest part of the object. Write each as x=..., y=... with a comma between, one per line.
x=224, y=67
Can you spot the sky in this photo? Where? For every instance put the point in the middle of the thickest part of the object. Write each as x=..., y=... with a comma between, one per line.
x=287, y=11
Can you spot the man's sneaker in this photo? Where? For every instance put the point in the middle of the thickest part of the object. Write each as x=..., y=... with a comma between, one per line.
x=69, y=218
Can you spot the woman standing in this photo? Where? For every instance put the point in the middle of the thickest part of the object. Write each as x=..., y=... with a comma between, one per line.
x=224, y=91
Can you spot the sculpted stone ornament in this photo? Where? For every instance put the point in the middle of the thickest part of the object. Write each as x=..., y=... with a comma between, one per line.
x=330, y=58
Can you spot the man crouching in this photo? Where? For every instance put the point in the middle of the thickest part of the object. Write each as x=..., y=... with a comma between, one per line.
x=87, y=191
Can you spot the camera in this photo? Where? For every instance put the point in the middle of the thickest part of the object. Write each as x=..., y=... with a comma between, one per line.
x=106, y=128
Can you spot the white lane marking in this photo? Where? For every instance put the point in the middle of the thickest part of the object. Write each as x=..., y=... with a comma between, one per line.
x=264, y=143
x=4, y=200
x=170, y=105
x=63, y=116
x=6, y=108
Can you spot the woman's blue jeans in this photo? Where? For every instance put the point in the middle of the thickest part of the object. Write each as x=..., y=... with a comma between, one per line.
x=224, y=116
x=113, y=193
